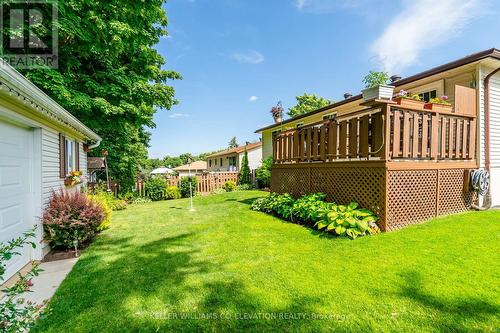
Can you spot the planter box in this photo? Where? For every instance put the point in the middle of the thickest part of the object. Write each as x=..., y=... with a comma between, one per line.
x=380, y=92
x=410, y=103
x=441, y=108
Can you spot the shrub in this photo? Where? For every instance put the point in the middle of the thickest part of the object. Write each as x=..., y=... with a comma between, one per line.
x=244, y=176
x=71, y=217
x=173, y=192
x=112, y=202
x=263, y=173
x=219, y=190
x=310, y=208
x=349, y=220
x=155, y=188
x=127, y=196
x=16, y=313
x=229, y=186
x=102, y=199
x=184, y=186
x=244, y=187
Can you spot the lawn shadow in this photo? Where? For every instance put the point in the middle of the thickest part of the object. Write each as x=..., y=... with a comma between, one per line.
x=248, y=201
x=457, y=315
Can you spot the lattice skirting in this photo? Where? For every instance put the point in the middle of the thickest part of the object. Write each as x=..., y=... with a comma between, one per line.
x=399, y=197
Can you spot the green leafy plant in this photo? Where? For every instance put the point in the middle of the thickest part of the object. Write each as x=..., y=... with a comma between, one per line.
x=349, y=220
x=155, y=188
x=71, y=217
x=375, y=79
x=229, y=186
x=103, y=199
x=310, y=208
x=244, y=176
x=140, y=200
x=17, y=314
x=307, y=103
x=282, y=205
x=263, y=173
x=107, y=196
x=173, y=192
x=244, y=187
x=186, y=188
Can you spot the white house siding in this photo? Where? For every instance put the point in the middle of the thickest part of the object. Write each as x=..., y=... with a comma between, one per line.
x=254, y=158
x=50, y=164
x=495, y=138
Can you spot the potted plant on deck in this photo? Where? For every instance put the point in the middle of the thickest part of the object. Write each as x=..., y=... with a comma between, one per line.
x=277, y=113
x=376, y=86
x=439, y=104
x=409, y=100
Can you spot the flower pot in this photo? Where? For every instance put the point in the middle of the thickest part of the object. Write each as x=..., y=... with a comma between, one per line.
x=441, y=108
x=277, y=119
x=409, y=103
x=383, y=91
x=69, y=182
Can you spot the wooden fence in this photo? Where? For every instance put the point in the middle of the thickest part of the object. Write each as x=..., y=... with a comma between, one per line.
x=206, y=183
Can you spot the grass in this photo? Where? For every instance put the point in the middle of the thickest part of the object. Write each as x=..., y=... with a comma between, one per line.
x=224, y=267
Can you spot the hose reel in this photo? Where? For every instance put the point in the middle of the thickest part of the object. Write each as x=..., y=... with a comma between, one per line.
x=480, y=181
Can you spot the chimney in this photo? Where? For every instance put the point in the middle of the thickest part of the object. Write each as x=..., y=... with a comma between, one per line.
x=347, y=95
x=395, y=78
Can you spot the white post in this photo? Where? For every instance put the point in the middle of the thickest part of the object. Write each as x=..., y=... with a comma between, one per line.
x=191, y=209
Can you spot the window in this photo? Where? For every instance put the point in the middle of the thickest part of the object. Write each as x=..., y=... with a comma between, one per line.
x=330, y=116
x=232, y=161
x=221, y=161
x=210, y=163
x=300, y=124
x=70, y=155
x=215, y=162
x=428, y=95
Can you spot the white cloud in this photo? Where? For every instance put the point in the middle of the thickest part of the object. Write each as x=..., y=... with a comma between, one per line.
x=422, y=24
x=252, y=98
x=178, y=115
x=250, y=57
x=328, y=6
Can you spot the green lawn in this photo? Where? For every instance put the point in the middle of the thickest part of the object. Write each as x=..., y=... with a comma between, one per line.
x=225, y=267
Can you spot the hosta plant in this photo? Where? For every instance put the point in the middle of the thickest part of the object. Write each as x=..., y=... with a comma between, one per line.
x=349, y=220
x=310, y=208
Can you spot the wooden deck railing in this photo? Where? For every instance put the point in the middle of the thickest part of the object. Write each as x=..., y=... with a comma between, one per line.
x=386, y=132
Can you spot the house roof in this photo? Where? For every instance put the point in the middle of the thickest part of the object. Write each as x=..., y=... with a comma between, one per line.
x=196, y=165
x=17, y=86
x=96, y=163
x=490, y=53
x=237, y=150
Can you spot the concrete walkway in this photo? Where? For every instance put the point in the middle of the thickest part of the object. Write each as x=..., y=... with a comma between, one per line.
x=46, y=284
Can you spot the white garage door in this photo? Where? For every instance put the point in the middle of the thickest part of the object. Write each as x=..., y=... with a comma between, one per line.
x=16, y=215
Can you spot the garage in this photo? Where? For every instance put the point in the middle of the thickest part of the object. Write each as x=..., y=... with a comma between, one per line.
x=16, y=188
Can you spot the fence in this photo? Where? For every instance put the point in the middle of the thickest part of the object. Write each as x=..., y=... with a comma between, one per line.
x=206, y=183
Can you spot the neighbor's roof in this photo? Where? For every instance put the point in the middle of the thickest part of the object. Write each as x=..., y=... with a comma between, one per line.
x=196, y=165
x=237, y=150
x=15, y=84
x=161, y=171
x=490, y=53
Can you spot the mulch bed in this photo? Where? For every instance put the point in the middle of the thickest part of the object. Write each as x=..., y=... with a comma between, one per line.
x=61, y=254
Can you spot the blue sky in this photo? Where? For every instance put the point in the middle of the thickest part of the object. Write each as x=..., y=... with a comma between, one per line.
x=239, y=57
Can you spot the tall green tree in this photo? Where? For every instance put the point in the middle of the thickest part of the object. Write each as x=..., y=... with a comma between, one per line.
x=110, y=76
x=307, y=103
x=244, y=176
x=233, y=143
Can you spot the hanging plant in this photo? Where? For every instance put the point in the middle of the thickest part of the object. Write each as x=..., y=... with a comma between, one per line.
x=277, y=112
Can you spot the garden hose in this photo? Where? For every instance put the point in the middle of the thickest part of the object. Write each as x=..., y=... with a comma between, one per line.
x=480, y=181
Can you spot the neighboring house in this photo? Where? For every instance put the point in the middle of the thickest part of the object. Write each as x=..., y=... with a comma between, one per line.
x=230, y=159
x=40, y=142
x=195, y=168
x=418, y=166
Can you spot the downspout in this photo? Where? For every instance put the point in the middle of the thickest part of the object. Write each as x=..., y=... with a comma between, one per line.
x=487, y=204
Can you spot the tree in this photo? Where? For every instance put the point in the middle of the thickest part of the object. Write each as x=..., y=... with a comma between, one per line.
x=244, y=176
x=233, y=143
x=307, y=103
x=110, y=76
x=263, y=173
